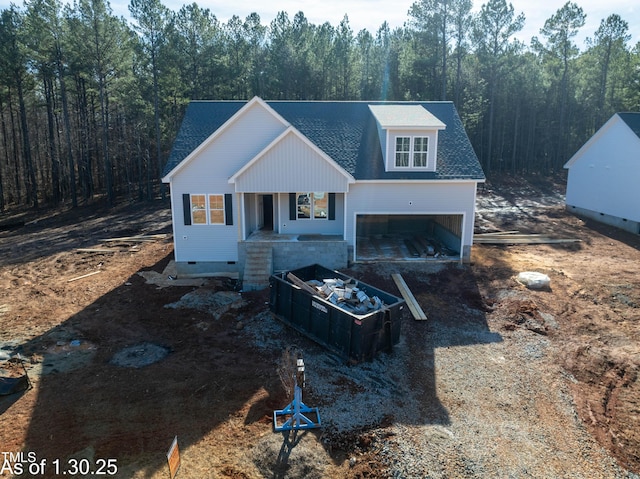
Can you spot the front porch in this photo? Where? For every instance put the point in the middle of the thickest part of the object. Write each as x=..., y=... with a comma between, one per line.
x=265, y=252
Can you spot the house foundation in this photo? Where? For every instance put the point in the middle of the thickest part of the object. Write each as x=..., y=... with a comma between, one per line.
x=295, y=251
x=622, y=223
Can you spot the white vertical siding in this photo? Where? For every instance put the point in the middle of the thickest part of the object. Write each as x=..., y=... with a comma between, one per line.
x=232, y=149
x=205, y=242
x=291, y=165
x=604, y=176
x=208, y=173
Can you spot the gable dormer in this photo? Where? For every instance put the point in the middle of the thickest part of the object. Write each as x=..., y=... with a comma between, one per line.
x=408, y=136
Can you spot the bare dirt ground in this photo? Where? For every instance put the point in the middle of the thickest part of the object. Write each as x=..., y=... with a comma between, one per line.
x=501, y=381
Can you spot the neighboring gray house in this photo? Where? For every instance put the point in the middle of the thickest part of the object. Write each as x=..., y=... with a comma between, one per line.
x=603, y=175
x=283, y=184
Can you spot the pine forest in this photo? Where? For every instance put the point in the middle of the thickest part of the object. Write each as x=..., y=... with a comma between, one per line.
x=90, y=102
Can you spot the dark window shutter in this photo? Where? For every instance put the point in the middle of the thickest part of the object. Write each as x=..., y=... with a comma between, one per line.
x=186, y=208
x=332, y=206
x=228, y=209
x=293, y=210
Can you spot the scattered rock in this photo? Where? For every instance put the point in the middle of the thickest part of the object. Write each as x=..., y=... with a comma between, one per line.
x=36, y=358
x=139, y=355
x=169, y=278
x=215, y=303
x=203, y=326
x=534, y=280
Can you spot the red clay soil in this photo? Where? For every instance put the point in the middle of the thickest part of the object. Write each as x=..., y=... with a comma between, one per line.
x=217, y=391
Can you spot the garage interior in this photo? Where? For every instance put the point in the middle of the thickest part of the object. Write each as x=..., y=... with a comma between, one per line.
x=408, y=237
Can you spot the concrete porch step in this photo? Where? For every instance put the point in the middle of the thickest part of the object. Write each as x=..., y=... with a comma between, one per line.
x=258, y=266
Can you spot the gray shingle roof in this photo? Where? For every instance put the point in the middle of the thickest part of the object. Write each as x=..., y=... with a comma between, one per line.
x=346, y=131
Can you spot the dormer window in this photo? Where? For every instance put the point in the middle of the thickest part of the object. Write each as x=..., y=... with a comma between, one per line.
x=412, y=152
x=408, y=136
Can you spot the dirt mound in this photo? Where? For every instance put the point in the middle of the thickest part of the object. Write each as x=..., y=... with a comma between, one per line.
x=524, y=313
x=607, y=390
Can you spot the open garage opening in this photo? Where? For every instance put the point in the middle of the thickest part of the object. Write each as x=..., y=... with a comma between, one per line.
x=402, y=237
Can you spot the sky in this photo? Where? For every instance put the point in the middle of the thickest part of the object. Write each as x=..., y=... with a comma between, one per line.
x=370, y=14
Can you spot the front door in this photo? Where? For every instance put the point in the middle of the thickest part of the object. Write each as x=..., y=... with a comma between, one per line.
x=267, y=212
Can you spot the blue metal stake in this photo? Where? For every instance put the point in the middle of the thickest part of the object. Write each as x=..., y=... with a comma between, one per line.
x=296, y=409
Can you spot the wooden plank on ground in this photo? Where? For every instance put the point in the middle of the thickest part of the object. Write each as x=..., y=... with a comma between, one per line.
x=83, y=276
x=515, y=235
x=102, y=250
x=506, y=239
x=413, y=250
x=498, y=233
x=406, y=293
x=134, y=239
